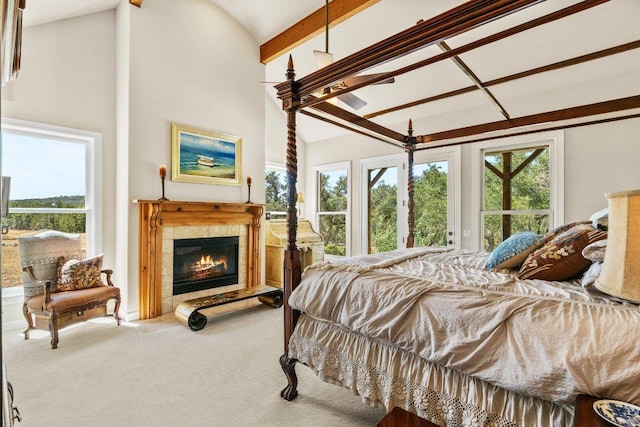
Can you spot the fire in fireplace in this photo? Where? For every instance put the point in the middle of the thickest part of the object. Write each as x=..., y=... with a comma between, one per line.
x=204, y=263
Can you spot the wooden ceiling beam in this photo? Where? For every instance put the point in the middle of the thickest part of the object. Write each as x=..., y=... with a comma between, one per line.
x=605, y=107
x=136, y=2
x=356, y=120
x=311, y=26
x=475, y=79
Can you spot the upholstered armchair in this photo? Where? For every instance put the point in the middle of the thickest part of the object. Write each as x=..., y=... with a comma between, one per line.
x=60, y=287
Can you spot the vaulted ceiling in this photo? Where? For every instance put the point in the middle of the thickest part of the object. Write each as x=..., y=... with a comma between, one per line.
x=579, y=59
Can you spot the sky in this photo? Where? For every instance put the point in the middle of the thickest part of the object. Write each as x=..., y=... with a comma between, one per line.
x=41, y=168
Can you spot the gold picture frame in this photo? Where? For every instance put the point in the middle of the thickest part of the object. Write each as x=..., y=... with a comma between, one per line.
x=205, y=157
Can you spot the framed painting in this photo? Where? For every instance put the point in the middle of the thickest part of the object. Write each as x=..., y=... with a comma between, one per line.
x=205, y=157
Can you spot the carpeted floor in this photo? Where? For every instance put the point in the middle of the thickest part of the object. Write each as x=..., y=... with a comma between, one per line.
x=160, y=373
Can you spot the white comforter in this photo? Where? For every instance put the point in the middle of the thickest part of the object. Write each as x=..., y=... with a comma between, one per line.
x=551, y=340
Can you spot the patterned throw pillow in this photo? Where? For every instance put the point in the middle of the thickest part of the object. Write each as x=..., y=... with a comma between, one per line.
x=552, y=234
x=514, y=250
x=561, y=258
x=74, y=274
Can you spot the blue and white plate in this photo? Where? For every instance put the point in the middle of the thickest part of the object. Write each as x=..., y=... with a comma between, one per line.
x=621, y=414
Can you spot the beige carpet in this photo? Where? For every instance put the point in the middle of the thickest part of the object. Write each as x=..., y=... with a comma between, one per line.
x=160, y=373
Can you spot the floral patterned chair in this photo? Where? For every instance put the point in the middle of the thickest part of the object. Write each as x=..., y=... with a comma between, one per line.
x=60, y=287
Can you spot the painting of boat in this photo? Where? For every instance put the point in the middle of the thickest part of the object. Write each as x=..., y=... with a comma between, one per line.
x=205, y=160
x=205, y=157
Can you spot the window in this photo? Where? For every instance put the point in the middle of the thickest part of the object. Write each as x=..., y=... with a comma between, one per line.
x=521, y=183
x=332, y=207
x=384, y=196
x=54, y=180
x=275, y=188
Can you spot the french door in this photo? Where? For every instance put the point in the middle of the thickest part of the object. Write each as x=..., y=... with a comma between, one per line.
x=384, y=210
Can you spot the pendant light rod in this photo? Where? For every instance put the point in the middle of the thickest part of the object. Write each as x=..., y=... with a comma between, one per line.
x=326, y=25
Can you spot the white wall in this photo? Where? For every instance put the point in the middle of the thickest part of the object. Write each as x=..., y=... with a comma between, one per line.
x=190, y=64
x=128, y=75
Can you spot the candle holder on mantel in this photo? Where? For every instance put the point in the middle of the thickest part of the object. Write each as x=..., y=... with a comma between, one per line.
x=249, y=186
x=163, y=175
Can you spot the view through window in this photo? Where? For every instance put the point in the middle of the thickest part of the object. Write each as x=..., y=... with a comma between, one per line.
x=383, y=207
x=275, y=188
x=430, y=203
x=48, y=190
x=332, y=208
x=517, y=193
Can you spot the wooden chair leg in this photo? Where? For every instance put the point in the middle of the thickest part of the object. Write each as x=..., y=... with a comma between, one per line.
x=29, y=319
x=53, y=328
x=116, y=310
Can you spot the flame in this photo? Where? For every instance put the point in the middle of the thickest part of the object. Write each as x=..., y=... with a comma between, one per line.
x=207, y=262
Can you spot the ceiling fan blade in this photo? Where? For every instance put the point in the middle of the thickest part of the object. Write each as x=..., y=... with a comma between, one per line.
x=351, y=81
x=352, y=101
x=322, y=58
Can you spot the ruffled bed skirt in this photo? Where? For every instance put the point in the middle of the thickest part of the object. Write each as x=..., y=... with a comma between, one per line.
x=384, y=375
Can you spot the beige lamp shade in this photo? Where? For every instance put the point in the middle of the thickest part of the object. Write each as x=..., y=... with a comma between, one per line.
x=620, y=274
x=300, y=198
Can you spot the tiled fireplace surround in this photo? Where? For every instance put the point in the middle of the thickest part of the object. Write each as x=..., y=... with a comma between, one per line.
x=162, y=222
x=169, y=234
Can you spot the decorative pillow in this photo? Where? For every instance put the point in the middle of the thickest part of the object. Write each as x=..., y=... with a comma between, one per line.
x=561, y=258
x=514, y=250
x=552, y=234
x=595, y=251
x=74, y=274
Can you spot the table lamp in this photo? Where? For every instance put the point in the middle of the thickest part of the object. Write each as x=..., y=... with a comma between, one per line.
x=620, y=274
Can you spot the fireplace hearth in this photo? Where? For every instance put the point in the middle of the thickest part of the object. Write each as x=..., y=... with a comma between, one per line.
x=204, y=263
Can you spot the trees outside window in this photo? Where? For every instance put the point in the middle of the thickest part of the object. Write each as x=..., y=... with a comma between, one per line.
x=275, y=187
x=518, y=185
x=332, y=213
x=384, y=196
x=383, y=208
x=430, y=201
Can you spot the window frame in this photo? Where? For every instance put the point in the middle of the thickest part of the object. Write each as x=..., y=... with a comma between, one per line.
x=399, y=162
x=554, y=140
x=331, y=167
x=93, y=176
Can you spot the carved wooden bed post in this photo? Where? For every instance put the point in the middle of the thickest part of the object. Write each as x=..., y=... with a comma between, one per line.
x=410, y=146
x=288, y=92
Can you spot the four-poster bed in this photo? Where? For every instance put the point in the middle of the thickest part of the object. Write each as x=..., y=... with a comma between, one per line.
x=350, y=321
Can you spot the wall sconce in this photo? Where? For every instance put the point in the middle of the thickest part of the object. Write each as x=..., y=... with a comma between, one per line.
x=300, y=204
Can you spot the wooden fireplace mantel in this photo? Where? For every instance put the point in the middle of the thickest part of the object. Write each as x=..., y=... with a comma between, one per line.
x=154, y=214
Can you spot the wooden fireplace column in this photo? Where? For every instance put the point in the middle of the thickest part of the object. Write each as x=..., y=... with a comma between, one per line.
x=154, y=214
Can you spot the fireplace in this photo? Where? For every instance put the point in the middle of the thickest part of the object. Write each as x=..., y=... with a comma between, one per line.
x=204, y=263
x=162, y=222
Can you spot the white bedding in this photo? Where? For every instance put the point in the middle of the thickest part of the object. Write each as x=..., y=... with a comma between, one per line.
x=551, y=340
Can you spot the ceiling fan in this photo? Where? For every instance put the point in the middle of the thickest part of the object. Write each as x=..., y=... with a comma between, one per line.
x=325, y=58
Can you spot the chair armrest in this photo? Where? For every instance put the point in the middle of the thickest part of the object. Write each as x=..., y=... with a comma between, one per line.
x=45, y=283
x=108, y=273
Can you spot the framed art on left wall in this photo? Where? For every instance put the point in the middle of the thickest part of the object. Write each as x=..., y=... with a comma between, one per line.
x=204, y=156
